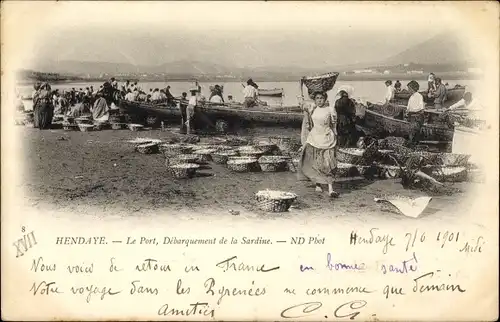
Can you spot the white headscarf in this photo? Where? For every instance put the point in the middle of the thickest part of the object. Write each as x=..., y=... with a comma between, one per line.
x=347, y=88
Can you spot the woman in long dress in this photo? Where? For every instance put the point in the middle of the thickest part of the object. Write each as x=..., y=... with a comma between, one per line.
x=43, y=107
x=318, y=161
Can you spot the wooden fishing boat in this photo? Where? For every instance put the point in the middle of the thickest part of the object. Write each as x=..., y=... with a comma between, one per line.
x=273, y=92
x=232, y=114
x=453, y=95
x=382, y=123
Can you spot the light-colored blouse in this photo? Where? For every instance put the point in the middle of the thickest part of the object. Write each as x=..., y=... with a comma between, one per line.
x=323, y=133
x=415, y=103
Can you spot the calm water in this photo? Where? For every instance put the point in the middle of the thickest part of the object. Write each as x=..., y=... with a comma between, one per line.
x=372, y=91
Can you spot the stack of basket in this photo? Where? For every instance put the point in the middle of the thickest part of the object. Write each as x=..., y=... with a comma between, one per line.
x=221, y=157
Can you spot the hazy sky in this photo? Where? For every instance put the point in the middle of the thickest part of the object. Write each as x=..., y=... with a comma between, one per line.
x=238, y=34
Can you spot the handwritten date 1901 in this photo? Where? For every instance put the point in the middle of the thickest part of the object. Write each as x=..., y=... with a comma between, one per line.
x=349, y=309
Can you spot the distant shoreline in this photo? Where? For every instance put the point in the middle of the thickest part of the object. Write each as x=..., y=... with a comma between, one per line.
x=351, y=77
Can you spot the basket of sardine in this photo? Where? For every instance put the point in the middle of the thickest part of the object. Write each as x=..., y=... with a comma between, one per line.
x=242, y=164
x=250, y=151
x=101, y=125
x=350, y=155
x=320, y=83
x=175, y=148
x=147, y=148
x=86, y=127
x=67, y=126
x=266, y=147
x=83, y=120
x=285, y=144
x=275, y=201
x=183, y=170
x=205, y=155
x=182, y=158
x=221, y=157
x=273, y=163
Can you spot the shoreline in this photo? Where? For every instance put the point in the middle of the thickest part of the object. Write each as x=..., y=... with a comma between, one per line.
x=365, y=77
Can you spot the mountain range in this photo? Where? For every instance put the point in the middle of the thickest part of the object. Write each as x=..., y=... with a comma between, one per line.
x=441, y=49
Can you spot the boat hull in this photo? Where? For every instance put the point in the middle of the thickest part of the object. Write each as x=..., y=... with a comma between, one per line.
x=453, y=96
x=382, y=123
x=275, y=92
x=257, y=115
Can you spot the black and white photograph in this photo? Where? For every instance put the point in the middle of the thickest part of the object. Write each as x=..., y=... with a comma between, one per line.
x=271, y=121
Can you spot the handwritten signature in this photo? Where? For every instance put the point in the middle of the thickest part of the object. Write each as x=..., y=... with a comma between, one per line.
x=349, y=309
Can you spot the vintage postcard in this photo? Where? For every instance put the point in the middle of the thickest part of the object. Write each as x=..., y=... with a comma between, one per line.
x=263, y=161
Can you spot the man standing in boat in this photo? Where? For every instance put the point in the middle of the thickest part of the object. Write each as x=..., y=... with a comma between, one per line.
x=250, y=94
x=439, y=94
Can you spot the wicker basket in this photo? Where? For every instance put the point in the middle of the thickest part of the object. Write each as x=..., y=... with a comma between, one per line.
x=69, y=127
x=250, y=151
x=453, y=159
x=222, y=157
x=320, y=83
x=275, y=201
x=267, y=147
x=364, y=170
x=182, y=158
x=272, y=163
x=173, y=149
x=117, y=126
x=345, y=170
x=183, y=170
x=286, y=144
x=83, y=120
x=116, y=118
x=350, y=155
x=135, y=127
x=86, y=127
x=222, y=147
x=100, y=125
x=205, y=154
x=148, y=148
x=450, y=174
x=242, y=164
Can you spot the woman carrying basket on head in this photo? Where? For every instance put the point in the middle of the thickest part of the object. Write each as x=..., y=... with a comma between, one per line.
x=318, y=160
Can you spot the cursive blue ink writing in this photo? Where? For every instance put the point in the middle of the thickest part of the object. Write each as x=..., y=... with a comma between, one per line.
x=342, y=266
x=305, y=268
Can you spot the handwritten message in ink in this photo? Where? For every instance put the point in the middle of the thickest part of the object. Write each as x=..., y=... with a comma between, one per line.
x=358, y=275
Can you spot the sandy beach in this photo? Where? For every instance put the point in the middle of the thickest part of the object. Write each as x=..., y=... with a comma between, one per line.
x=99, y=174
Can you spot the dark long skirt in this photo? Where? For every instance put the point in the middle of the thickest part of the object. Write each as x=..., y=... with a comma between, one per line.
x=318, y=165
x=43, y=116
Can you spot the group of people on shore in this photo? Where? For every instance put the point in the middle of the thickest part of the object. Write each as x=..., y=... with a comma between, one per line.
x=73, y=103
